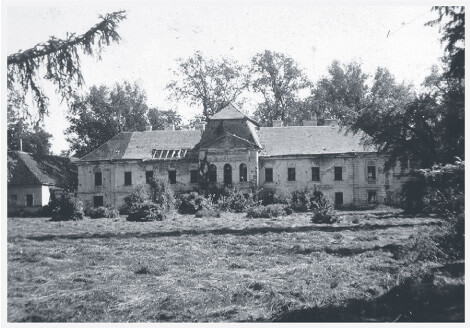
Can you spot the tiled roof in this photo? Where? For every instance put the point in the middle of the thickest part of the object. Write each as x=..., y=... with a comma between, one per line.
x=139, y=145
x=29, y=169
x=231, y=112
x=309, y=140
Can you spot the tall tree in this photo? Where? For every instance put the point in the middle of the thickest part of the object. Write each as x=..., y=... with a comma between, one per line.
x=58, y=61
x=103, y=113
x=279, y=80
x=34, y=139
x=159, y=118
x=341, y=95
x=208, y=83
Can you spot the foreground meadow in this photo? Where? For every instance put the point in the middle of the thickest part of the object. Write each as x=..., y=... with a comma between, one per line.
x=228, y=269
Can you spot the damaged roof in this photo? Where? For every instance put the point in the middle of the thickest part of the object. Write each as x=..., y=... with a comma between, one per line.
x=310, y=140
x=31, y=169
x=139, y=145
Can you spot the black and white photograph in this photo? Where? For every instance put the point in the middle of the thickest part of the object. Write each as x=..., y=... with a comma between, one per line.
x=233, y=162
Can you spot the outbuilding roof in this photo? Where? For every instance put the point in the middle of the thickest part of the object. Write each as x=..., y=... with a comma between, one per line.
x=29, y=169
x=310, y=140
x=139, y=145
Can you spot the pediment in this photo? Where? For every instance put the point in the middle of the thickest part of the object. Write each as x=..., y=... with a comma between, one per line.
x=228, y=141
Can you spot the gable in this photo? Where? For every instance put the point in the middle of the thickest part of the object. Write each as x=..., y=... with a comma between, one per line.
x=229, y=141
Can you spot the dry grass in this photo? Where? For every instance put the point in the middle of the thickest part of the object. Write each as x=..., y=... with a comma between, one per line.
x=208, y=269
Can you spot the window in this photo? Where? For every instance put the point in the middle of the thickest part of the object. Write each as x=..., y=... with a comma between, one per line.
x=212, y=173
x=243, y=172
x=194, y=176
x=127, y=178
x=172, y=176
x=227, y=174
x=338, y=198
x=291, y=174
x=268, y=174
x=97, y=201
x=148, y=176
x=371, y=173
x=372, y=197
x=338, y=173
x=315, y=173
x=29, y=200
x=98, y=179
x=13, y=200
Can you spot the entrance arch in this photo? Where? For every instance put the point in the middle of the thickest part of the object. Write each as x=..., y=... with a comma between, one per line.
x=227, y=174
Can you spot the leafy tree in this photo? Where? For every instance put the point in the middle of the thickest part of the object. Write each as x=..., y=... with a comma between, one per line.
x=159, y=118
x=208, y=83
x=61, y=61
x=103, y=113
x=451, y=22
x=279, y=80
x=340, y=95
x=34, y=139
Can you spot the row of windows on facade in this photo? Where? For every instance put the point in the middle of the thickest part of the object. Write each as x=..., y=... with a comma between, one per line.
x=268, y=175
x=28, y=200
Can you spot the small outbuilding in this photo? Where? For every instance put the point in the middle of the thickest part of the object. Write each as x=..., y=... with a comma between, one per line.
x=32, y=179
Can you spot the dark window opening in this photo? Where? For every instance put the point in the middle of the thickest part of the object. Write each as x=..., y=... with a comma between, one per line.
x=98, y=179
x=212, y=173
x=243, y=172
x=172, y=176
x=291, y=174
x=315, y=174
x=13, y=199
x=227, y=174
x=372, y=197
x=371, y=173
x=194, y=176
x=338, y=198
x=148, y=176
x=29, y=200
x=338, y=173
x=97, y=201
x=268, y=174
x=127, y=178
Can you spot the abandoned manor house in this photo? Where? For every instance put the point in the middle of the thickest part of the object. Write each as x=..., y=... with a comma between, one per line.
x=237, y=151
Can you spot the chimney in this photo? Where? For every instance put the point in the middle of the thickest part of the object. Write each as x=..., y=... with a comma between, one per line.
x=148, y=128
x=313, y=121
x=201, y=126
x=277, y=123
x=170, y=127
x=331, y=122
x=21, y=144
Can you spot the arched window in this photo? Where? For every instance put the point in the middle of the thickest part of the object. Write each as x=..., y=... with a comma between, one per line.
x=212, y=173
x=243, y=172
x=227, y=174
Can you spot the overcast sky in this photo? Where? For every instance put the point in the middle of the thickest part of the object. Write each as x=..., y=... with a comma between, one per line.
x=154, y=35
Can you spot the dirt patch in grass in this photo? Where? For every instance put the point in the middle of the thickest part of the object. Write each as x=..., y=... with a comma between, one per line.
x=208, y=269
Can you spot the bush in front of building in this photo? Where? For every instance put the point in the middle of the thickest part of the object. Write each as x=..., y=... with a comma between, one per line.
x=323, y=209
x=146, y=211
x=162, y=194
x=66, y=207
x=208, y=213
x=192, y=203
x=102, y=212
x=266, y=211
x=233, y=200
x=282, y=196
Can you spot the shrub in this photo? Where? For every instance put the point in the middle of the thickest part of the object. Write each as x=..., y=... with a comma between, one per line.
x=268, y=211
x=233, y=200
x=146, y=211
x=323, y=209
x=208, y=212
x=66, y=207
x=162, y=194
x=300, y=201
x=192, y=202
x=282, y=196
x=102, y=212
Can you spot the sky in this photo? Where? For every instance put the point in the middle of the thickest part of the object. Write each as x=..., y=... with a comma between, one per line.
x=155, y=34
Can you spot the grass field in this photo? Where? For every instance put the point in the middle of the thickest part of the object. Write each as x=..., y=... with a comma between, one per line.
x=221, y=269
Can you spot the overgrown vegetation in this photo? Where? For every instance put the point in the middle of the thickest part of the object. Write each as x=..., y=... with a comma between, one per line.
x=102, y=212
x=323, y=209
x=66, y=207
x=150, y=202
x=266, y=211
